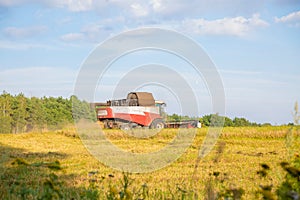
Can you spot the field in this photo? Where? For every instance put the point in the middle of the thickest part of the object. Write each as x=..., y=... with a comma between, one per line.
x=56, y=165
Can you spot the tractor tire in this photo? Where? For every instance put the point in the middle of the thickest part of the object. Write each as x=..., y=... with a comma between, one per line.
x=109, y=124
x=125, y=127
x=157, y=124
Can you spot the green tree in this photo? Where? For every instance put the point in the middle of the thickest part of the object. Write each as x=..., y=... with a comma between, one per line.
x=238, y=122
x=36, y=115
x=228, y=122
x=82, y=110
x=57, y=111
x=5, y=112
x=216, y=120
x=213, y=120
x=205, y=120
x=174, y=117
x=19, y=113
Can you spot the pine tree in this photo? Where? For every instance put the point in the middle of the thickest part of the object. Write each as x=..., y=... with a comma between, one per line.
x=36, y=119
x=19, y=113
x=5, y=112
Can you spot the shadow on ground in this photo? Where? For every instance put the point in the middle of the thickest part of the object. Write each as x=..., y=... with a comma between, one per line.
x=34, y=175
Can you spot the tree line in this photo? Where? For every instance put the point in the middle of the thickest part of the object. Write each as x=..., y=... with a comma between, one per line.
x=216, y=120
x=22, y=114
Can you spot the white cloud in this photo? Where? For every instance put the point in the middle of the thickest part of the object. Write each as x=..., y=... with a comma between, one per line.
x=23, y=46
x=237, y=26
x=94, y=32
x=64, y=21
x=11, y=2
x=38, y=81
x=164, y=8
x=293, y=17
x=15, y=32
x=162, y=13
x=79, y=5
x=139, y=10
x=72, y=5
x=174, y=7
x=239, y=72
x=70, y=37
x=89, y=33
x=156, y=4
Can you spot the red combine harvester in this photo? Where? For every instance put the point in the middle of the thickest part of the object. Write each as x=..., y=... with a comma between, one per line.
x=139, y=109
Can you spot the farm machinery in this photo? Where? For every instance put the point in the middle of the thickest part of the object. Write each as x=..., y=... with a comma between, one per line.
x=139, y=109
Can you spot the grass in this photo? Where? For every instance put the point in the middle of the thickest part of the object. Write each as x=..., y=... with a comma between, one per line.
x=56, y=165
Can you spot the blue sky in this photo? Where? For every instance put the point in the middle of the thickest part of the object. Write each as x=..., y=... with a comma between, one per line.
x=255, y=46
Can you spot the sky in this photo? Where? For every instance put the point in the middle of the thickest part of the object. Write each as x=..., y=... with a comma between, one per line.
x=254, y=45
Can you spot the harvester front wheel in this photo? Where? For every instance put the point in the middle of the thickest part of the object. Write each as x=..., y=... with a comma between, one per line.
x=157, y=123
x=109, y=124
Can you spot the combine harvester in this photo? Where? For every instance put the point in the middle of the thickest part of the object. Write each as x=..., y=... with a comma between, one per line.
x=139, y=109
